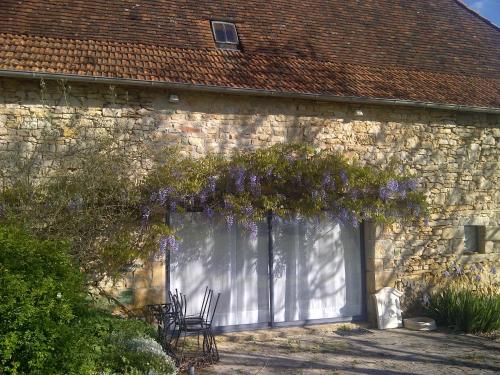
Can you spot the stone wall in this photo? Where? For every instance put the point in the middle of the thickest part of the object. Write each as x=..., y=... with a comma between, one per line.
x=455, y=155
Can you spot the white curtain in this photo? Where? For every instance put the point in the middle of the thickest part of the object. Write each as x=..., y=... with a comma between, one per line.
x=227, y=261
x=317, y=270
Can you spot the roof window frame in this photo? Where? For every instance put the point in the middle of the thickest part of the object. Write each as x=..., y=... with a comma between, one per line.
x=226, y=43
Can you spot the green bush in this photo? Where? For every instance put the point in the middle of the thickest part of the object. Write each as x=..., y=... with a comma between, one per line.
x=106, y=344
x=48, y=326
x=40, y=295
x=466, y=310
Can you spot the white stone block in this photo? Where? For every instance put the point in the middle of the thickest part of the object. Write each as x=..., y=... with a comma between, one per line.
x=388, y=307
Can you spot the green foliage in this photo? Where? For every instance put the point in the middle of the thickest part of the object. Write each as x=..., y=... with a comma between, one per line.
x=92, y=200
x=105, y=344
x=466, y=310
x=47, y=323
x=111, y=215
x=288, y=180
x=466, y=297
x=40, y=294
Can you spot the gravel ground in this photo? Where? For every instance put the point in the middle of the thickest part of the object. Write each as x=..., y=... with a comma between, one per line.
x=354, y=349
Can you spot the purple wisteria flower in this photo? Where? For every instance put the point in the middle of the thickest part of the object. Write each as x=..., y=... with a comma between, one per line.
x=75, y=203
x=393, y=186
x=327, y=180
x=229, y=221
x=446, y=274
x=410, y=185
x=254, y=184
x=164, y=194
x=169, y=243
x=72, y=205
x=202, y=197
x=209, y=212
x=248, y=210
x=384, y=193
x=458, y=269
x=477, y=278
x=163, y=245
x=354, y=221
x=493, y=270
x=252, y=227
x=344, y=215
x=173, y=205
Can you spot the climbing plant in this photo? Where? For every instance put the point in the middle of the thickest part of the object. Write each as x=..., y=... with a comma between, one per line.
x=287, y=180
x=112, y=215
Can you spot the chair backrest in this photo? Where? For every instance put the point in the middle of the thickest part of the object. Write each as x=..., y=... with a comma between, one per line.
x=206, y=299
x=213, y=309
x=179, y=303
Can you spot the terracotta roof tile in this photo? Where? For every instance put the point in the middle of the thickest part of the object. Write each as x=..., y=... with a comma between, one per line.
x=428, y=50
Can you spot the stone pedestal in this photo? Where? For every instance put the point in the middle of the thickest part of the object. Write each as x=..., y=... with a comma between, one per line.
x=388, y=307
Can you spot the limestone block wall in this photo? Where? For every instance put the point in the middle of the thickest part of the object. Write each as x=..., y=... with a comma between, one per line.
x=455, y=155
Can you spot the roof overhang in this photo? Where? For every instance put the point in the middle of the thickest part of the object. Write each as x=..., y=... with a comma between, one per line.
x=246, y=91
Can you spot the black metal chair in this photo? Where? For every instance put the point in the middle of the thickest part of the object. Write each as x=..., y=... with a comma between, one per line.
x=165, y=317
x=197, y=318
x=210, y=345
x=199, y=325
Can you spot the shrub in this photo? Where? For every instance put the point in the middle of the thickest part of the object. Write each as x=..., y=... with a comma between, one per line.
x=106, y=344
x=40, y=295
x=466, y=310
x=48, y=325
x=138, y=355
x=466, y=298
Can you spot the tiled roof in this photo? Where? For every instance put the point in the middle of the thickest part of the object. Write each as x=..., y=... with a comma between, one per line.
x=429, y=50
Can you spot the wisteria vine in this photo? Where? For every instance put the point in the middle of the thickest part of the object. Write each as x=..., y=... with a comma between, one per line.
x=287, y=180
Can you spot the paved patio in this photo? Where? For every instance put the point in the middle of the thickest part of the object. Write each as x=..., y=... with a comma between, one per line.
x=354, y=349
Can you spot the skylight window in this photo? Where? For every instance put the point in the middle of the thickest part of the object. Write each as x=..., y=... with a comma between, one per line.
x=225, y=34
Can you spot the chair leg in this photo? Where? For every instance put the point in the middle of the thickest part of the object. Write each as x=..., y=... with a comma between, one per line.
x=213, y=345
x=198, y=347
x=183, y=346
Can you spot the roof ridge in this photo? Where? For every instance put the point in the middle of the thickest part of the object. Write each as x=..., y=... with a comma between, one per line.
x=477, y=14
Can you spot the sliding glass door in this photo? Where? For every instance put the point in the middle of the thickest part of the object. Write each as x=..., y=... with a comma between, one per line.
x=317, y=269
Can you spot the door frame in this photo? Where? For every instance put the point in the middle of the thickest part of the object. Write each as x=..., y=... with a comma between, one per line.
x=271, y=323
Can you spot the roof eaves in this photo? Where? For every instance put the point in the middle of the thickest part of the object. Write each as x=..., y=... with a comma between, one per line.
x=247, y=91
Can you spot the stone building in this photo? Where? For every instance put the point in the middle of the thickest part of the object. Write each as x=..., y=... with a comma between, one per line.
x=373, y=80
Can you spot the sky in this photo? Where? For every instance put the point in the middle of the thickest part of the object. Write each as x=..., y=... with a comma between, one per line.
x=489, y=9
